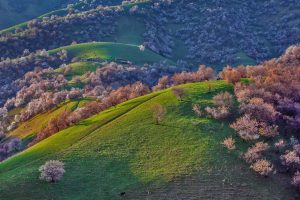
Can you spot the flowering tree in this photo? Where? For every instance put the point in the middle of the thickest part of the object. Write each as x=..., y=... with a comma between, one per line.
x=52, y=171
x=255, y=152
x=246, y=127
x=179, y=93
x=291, y=159
x=197, y=110
x=218, y=112
x=229, y=143
x=263, y=167
x=223, y=99
x=159, y=112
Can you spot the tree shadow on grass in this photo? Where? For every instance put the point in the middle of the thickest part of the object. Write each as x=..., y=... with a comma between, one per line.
x=85, y=178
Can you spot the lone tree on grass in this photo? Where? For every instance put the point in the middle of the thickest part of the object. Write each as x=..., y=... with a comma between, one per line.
x=52, y=171
x=159, y=112
x=179, y=93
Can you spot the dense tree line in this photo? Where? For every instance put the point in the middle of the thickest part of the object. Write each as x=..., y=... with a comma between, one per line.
x=12, y=71
x=269, y=113
x=212, y=35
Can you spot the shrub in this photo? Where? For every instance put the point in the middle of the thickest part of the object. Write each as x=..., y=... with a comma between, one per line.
x=296, y=148
x=219, y=112
x=260, y=110
x=223, y=99
x=263, y=167
x=179, y=93
x=280, y=145
x=268, y=130
x=14, y=145
x=296, y=180
x=231, y=75
x=229, y=143
x=290, y=159
x=52, y=171
x=159, y=112
x=162, y=83
x=203, y=73
x=197, y=110
x=255, y=152
x=246, y=127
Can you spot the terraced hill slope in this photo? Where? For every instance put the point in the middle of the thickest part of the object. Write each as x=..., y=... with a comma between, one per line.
x=121, y=150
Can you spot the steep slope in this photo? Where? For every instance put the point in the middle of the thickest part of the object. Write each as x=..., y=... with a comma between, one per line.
x=122, y=150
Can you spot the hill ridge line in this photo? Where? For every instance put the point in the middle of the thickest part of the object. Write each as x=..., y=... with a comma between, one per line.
x=79, y=140
x=113, y=119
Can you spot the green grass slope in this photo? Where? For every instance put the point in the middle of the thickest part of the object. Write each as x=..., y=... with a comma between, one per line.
x=28, y=129
x=122, y=150
x=110, y=51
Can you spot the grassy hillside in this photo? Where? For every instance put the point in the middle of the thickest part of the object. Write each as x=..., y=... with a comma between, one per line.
x=111, y=52
x=91, y=56
x=28, y=129
x=122, y=150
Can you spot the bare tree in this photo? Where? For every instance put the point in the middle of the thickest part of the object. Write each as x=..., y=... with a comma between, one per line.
x=159, y=112
x=179, y=93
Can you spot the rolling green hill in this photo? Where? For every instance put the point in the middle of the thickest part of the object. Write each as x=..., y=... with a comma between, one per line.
x=109, y=51
x=122, y=150
x=91, y=56
x=28, y=129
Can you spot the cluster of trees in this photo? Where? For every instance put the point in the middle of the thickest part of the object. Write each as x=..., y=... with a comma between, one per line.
x=12, y=71
x=107, y=98
x=215, y=36
x=68, y=118
x=42, y=89
x=98, y=23
x=202, y=74
x=206, y=39
x=9, y=147
x=269, y=109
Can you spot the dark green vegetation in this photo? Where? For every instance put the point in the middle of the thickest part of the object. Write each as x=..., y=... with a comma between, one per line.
x=16, y=11
x=90, y=56
x=122, y=150
x=15, y=19
x=108, y=51
x=210, y=34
